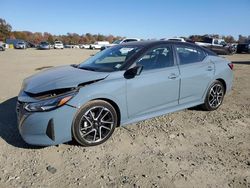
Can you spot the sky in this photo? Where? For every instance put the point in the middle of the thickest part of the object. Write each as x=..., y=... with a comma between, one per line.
x=130, y=18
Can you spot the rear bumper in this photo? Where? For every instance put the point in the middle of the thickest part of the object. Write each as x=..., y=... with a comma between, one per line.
x=58, y=47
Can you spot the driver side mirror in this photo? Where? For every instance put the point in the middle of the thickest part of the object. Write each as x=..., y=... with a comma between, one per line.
x=132, y=72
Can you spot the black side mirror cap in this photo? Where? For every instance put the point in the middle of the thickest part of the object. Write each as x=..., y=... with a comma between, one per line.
x=132, y=72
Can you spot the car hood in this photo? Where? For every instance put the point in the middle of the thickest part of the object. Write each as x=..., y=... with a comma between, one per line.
x=60, y=78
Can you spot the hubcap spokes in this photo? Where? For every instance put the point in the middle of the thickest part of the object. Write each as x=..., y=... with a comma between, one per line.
x=216, y=96
x=96, y=124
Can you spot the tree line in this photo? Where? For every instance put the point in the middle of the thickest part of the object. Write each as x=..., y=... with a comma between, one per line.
x=88, y=38
x=37, y=37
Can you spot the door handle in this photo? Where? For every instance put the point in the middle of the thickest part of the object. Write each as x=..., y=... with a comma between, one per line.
x=172, y=76
x=210, y=68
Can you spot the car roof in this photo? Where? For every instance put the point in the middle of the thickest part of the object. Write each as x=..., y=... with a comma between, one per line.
x=152, y=43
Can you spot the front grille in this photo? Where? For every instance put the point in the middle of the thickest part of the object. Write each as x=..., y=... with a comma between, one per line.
x=20, y=110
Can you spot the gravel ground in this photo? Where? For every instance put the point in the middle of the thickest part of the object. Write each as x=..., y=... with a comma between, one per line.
x=191, y=148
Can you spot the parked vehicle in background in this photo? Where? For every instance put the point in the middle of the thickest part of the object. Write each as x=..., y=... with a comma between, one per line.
x=51, y=46
x=98, y=44
x=178, y=39
x=2, y=46
x=43, y=46
x=84, y=46
x=12, y=42
x=219, y=46
x=126, y=40
x=58, y=45
x=30, y=44
x=71, y=46
x=244, y=47
x=20, y=45
x=124, y=84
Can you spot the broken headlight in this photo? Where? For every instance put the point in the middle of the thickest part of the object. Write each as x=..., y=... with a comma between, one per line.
x=50, y=103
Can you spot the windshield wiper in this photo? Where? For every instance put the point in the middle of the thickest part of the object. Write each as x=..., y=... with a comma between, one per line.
x=87, y=68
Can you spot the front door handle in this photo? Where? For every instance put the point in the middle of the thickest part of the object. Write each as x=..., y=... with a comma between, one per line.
x=210, y=68
x=172, y=76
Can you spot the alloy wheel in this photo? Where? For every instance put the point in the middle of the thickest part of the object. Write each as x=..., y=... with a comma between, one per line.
x=216, y=95
x=96, y=124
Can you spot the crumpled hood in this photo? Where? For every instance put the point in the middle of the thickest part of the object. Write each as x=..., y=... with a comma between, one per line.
x=59, y=78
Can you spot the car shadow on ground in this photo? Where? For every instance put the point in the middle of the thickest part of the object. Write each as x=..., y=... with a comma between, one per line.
x=241, y=62
x=8, y=125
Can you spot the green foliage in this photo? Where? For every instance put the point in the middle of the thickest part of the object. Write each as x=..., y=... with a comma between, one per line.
x=5, y=29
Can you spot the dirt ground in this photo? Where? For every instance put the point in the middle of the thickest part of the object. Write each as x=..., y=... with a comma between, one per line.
x=191, y=148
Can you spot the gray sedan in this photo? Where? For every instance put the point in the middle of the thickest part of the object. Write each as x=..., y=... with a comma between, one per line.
x=123, y=84
x=43, y=46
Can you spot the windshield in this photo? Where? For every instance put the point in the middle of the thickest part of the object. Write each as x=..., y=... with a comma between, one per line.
x=109, y=60
x=117, y=42
x=44, y=43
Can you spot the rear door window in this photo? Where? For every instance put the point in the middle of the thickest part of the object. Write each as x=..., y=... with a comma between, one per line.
x=189, y=54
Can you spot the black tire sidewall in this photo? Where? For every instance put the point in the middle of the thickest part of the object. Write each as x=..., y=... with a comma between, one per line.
x=75, y=127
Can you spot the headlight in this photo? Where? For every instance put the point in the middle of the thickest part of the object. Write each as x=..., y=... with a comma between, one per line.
x=249, y=46
x=49, y=104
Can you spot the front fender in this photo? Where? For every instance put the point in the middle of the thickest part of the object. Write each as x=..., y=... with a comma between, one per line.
x=113, y=90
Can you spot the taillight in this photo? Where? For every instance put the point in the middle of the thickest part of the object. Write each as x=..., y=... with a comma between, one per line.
x=231, y=65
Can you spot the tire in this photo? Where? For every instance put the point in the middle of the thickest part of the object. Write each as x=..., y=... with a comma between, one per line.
x=238, y=51
x=94, y=123
x=214, y=96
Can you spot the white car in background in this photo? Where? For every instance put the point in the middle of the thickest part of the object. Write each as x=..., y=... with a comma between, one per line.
x=84, y=46
x=120, y=42
x=98, y=44
x=20, y=45
x=71, y=46
x=2, y=46
x=178, y=39
x=58, y=45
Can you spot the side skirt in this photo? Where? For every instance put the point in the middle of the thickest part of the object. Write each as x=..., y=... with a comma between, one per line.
x=162, y=112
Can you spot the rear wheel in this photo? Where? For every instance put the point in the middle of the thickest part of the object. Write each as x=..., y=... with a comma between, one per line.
x=94, y=123
x=214, y=97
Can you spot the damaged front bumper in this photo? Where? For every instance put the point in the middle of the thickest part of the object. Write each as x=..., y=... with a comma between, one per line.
x=44, y=128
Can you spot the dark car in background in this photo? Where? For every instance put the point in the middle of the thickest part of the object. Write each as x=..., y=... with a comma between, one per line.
x=244, y=47
x=30, y=44
x=43, y=46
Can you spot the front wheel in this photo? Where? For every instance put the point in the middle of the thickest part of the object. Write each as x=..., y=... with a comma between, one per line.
x=94, y=123
x=214, y=97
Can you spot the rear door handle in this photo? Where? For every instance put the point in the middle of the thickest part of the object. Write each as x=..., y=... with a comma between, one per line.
x=172, y=76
